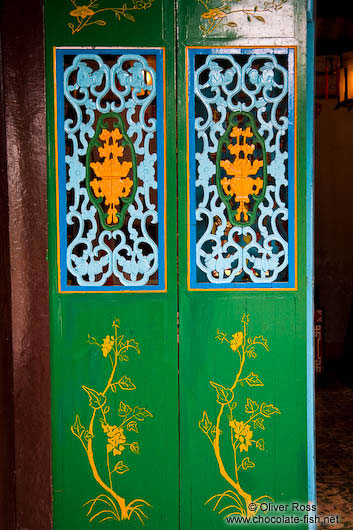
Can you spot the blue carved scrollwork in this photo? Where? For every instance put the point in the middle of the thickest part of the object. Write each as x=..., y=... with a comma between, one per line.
x=128, y=257
x=255, y=84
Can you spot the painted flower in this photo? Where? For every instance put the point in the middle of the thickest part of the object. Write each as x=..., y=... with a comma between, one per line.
x=77, y=171
x=237, y=340
x=215, y=77
x=214, y=14
x=107, y=345
x=253, y=75
x=242, y=434
x=142, y=4
x=267, y=77
x=206, y=169
x=146, y=170
x=82, y=11
x=116, y=438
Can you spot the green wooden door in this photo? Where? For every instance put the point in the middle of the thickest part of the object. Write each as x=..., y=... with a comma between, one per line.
x=242, y=252
x=154, y=423
x=112, y=255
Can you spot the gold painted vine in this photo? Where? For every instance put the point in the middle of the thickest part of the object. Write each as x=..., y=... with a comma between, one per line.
x=238, y=425
x=86, y=15
x=224, y=14
x=119, y=427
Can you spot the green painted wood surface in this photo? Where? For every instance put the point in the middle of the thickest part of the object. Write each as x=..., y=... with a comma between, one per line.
x=280, y=470
x=149, y=318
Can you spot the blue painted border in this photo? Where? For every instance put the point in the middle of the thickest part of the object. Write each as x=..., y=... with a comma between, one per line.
x=291, y=284
x=310, y=80
x=158, y=52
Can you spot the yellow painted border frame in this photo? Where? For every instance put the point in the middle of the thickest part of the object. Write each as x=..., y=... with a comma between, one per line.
x=136, y=291
x=245, y=289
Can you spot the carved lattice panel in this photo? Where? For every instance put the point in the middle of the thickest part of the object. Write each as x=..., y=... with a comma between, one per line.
x=111, y=175
x=241, y=139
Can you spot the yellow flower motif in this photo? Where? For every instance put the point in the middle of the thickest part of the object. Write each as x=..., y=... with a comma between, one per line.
x=82, y=11
x=214, y=14
x=142, y=4
x=237, y=340
x=242, y=434
x=116, y=438
x=107, y=345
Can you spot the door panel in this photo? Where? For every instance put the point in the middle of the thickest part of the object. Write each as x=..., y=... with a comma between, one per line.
x=112, y=256
x=243, y=387
x=253, y=221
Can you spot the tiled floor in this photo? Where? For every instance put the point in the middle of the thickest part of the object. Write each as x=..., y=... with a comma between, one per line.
x=334, y=436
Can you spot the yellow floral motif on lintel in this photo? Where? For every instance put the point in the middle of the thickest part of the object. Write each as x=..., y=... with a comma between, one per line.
x=229, y=14
x=86, y=15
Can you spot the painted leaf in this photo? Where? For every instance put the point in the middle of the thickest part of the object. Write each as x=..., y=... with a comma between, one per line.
x=261, y=19
x=221, y=336
x=268, y=409
x=120, y=468
x=205, y=424
x=135, y=448
x=129, y=17
x=213, y=431
x=224, y=395
x=125, y=383
x=124, y=409
x=253, y=380
x=259, y=423
x=247, y=463
x=133, y=344
x=119, y=339
x=251, y=352
x=141, y=413
x=251, y=406
x=261, y=340
x=96, y=399
x=260, y=444
x=77, y=428
x=132, y=426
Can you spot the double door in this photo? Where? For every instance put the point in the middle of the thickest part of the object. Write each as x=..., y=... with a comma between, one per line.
x=179, y=236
